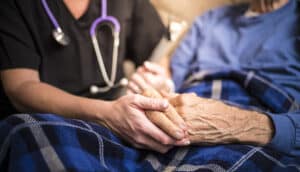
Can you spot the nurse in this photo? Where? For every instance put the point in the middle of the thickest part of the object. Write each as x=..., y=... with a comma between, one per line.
x=41, y=74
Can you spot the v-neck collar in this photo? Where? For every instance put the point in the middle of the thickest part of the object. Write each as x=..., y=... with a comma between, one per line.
x=91, y=13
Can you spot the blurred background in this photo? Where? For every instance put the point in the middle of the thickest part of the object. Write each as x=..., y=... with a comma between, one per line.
x=177, y=15
x=188, y=9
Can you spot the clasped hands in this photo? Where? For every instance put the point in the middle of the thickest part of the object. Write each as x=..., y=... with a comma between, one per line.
x=203, y=121
x=211, y=121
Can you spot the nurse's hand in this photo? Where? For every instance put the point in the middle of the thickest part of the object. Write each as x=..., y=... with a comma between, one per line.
x=150, y=75
x=128, y=119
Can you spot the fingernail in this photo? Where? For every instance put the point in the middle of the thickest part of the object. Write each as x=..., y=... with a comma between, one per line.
x=187, y=142
x=179, y=135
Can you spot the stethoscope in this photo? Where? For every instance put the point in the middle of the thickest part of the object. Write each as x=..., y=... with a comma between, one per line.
x=62, y=39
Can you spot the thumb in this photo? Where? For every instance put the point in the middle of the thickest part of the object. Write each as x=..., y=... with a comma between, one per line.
x=147, y=103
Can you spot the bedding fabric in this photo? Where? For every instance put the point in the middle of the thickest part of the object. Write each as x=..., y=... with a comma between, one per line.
x=46, y=142
x=50, y=143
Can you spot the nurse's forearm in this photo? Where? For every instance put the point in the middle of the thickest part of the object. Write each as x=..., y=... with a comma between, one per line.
x=28, y=94
x=43, y=98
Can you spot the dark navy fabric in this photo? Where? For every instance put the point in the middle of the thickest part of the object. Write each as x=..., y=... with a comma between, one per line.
x=47, y=142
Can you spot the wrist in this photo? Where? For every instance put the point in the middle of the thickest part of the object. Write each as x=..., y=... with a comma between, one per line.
x=94, y=109
x=266, y=126
x=260, y=130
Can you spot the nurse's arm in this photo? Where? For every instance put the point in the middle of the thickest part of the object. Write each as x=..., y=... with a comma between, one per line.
x=28, y=94
x=124, y=116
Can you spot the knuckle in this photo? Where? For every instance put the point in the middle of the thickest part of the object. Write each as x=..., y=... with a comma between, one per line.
x=135, y=98
x=166, y=141
x=152, y=102
x=140, y=127
x=139, y=140
x=128, y=98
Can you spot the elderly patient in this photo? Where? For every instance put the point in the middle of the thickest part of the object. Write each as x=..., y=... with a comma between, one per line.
x=247, y=56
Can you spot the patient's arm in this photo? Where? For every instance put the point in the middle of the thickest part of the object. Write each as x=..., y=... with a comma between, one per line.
x=213, y=122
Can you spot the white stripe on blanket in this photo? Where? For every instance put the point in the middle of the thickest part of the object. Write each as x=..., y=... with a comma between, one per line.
x=216, y=90
x=178, y=158
x=49, y=154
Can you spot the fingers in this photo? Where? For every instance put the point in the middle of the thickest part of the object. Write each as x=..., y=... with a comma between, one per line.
x=154, y=68
x=155, y=138
x=168, y=95
x=161, y=120
x=160, y=137
x=172, y=114
x=137, y=84
x=131, y=123
x=150, y=103
x=185, y=99
x=133, y=88
x=148, y=75
x=169, y=121
x=183, y=142
x=140, y=81
x=129, y=92
x=150, y=144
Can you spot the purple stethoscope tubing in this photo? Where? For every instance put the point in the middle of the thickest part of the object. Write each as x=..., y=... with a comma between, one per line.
x=50, y=15
x=62, y=39
x=104, y=18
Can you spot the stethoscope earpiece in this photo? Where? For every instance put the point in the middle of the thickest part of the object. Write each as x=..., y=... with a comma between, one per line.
x=60, y=37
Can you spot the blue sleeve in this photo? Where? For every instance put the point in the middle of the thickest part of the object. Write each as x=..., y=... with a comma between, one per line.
x=185, y=52
x=287, y=133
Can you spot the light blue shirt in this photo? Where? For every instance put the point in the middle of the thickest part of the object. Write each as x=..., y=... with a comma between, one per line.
x=268, y=44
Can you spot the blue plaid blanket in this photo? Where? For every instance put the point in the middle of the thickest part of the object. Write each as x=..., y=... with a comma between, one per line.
x=46, y=142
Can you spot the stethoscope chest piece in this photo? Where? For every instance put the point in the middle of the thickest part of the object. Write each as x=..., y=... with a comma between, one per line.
x=60, y=37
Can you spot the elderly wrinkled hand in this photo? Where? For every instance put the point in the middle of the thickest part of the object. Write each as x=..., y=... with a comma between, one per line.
x=214, y=122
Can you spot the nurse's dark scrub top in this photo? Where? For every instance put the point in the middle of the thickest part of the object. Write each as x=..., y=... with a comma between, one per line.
x=26, y=42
